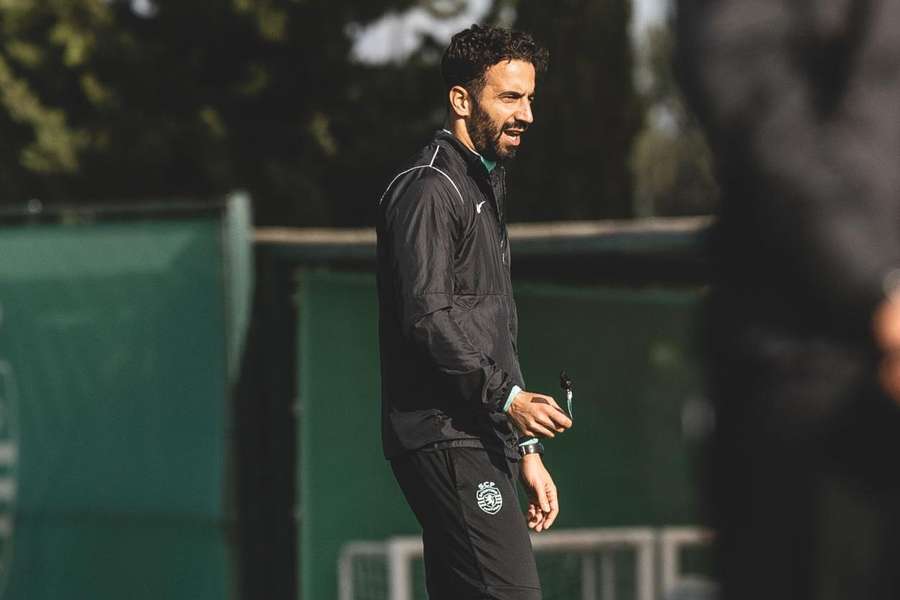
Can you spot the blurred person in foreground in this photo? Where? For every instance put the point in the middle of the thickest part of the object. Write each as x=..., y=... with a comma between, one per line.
x=456, y=424
x=801, y=102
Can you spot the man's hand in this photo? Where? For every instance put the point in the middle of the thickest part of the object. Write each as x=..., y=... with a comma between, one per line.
x=886, y=326
x=543, y=504
x=536, y=415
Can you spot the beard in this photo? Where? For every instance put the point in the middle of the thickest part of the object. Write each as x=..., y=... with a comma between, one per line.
x=485, y=134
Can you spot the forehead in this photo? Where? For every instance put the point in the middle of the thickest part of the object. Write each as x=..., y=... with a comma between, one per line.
x=510, y=75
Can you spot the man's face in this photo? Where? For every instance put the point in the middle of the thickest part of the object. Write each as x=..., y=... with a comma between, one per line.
x=502, y=111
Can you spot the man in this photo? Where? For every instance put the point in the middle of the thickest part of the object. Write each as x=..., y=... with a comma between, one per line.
x=456, y=423
x=801, y=101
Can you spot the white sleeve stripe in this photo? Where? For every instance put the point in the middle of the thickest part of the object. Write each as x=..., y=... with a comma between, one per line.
x=428, y=166
x=399, y=175
x=451, y=183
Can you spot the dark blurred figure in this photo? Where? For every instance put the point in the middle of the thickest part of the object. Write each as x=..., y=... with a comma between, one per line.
x=801, y=102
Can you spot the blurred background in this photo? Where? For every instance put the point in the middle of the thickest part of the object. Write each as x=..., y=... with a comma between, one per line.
x=189, y=395
x=129, y=101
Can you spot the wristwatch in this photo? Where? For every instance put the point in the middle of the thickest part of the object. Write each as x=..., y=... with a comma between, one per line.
x=532, y=448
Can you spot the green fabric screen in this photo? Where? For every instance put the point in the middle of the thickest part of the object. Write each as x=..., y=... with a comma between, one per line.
x=114, y=354
x=625, y=462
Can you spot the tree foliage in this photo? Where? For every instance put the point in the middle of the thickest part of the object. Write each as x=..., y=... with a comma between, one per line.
x=104, y=103
x=574, y=163
x=197, y=97
x=671, y=161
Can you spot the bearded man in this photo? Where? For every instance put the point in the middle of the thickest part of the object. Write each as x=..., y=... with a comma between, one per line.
x=457, y=425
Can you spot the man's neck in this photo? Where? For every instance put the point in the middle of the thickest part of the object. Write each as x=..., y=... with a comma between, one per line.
x=459, y=131
x=458, y=128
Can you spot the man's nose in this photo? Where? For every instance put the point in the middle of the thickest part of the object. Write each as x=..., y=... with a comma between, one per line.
x=524, y=113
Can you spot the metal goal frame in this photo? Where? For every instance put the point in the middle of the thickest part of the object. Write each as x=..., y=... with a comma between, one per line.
x=657, y=554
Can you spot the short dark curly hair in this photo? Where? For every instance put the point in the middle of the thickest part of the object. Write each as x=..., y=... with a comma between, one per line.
x=474, y=50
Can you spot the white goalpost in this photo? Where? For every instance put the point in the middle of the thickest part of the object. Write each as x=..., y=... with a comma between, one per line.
x=672, y=541
x=638, y=563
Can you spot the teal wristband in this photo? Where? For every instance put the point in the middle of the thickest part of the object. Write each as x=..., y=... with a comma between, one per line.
x=512, y=396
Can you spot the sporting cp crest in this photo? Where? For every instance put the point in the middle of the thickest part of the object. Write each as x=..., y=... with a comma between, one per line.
x=489, y=498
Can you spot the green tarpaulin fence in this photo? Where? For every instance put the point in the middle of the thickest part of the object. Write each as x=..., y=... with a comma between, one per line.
x=157, y=442
x=119, y=343
x=626, y=461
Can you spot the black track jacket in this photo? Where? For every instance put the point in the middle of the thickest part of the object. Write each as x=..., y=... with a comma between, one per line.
x=447, y=319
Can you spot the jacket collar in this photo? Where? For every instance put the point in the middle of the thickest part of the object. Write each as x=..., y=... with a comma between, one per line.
x=472, y=159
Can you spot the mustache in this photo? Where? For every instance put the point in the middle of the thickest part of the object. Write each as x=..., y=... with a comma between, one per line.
x=516, y=125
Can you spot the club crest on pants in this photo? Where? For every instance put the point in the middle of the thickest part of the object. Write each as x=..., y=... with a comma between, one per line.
x=489, y=498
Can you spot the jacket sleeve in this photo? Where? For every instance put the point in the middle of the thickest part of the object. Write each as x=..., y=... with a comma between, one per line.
x=425, y=224
x=827, y=166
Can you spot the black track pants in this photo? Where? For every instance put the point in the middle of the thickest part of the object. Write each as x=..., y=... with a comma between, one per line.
x=475, y=536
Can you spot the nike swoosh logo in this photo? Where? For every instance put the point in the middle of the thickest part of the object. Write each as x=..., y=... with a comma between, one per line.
x=478, y=206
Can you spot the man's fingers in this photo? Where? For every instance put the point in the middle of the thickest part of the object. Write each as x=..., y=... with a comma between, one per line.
x=538, y=415
x=560, y=420
x=555, y=419
x=560, y=416
x=535, y=516
x=551, y=408
x=554, y=506
x=547, y=421
x=542, y=429
x=548, y=401
x=553, y=402
x=545, y=503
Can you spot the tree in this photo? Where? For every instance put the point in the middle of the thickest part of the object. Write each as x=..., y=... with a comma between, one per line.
x=574, y=164
x=126, y=101
x=192, y=98
x=671, y=161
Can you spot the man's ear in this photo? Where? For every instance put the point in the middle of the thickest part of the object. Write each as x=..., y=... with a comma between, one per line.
x=460, y=103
